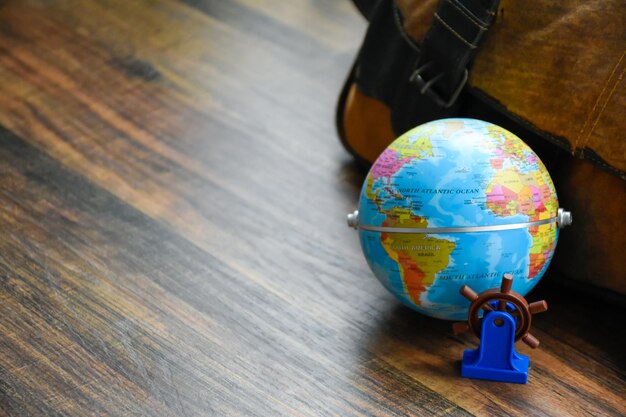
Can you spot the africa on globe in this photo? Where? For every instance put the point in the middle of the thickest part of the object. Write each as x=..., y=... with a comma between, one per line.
x=454, y=202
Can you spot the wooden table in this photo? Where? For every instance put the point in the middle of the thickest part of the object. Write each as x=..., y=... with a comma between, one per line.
x=173, y=238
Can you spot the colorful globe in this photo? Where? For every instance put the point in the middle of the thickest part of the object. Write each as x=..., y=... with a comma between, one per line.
x=454, y=202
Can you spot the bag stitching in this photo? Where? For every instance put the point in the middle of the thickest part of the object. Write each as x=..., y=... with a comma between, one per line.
x=608, y=99
x=400, y=27
x=454, y=32
x=468, y=14
x=581, y=134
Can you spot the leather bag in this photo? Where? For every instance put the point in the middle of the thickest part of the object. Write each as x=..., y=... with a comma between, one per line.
x=552, y=72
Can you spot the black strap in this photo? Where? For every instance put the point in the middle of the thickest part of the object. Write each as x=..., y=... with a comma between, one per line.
x=366, y=7
x=449, y=46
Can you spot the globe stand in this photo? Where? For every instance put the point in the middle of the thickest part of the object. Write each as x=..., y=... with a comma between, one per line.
x=499, y=318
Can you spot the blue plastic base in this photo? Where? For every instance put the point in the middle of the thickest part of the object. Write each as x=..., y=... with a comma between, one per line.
x=496, y=358
x=518, y=374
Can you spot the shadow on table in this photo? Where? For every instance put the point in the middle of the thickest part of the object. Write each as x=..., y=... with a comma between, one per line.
x=574, y=324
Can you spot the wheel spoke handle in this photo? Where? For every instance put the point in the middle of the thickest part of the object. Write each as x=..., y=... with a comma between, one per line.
x=538, y=307
x=531, y=341
x=460, y=327
x=468, y=293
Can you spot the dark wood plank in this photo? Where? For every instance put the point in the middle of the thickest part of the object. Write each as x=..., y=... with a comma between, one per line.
x=173, y=237
x=122, y=309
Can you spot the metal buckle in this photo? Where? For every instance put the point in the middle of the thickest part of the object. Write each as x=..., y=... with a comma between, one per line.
x=424, y=86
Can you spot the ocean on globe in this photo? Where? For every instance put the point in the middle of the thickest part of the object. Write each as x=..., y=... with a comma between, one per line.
x=454, y=202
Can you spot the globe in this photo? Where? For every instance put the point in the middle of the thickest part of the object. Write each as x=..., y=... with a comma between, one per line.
x=454, y=202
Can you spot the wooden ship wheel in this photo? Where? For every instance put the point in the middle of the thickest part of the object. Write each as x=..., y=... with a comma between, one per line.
x=505, y=300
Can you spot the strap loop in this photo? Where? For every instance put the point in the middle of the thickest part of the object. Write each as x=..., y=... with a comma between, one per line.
x=449, y=47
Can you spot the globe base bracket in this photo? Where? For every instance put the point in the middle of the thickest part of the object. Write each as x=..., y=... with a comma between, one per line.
x=496, y=358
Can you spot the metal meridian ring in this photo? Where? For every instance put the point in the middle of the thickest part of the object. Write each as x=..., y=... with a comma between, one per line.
x=467, y=229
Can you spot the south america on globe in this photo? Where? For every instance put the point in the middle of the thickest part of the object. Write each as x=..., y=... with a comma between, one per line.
x=455, y=202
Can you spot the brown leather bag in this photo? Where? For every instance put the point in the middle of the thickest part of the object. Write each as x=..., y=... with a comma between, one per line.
x=551, y=72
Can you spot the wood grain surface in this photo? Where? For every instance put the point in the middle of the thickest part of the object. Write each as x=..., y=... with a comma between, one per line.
x=172, y=233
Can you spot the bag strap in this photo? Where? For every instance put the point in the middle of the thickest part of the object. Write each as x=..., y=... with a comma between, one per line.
x=366, y=7
x=449, y=46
